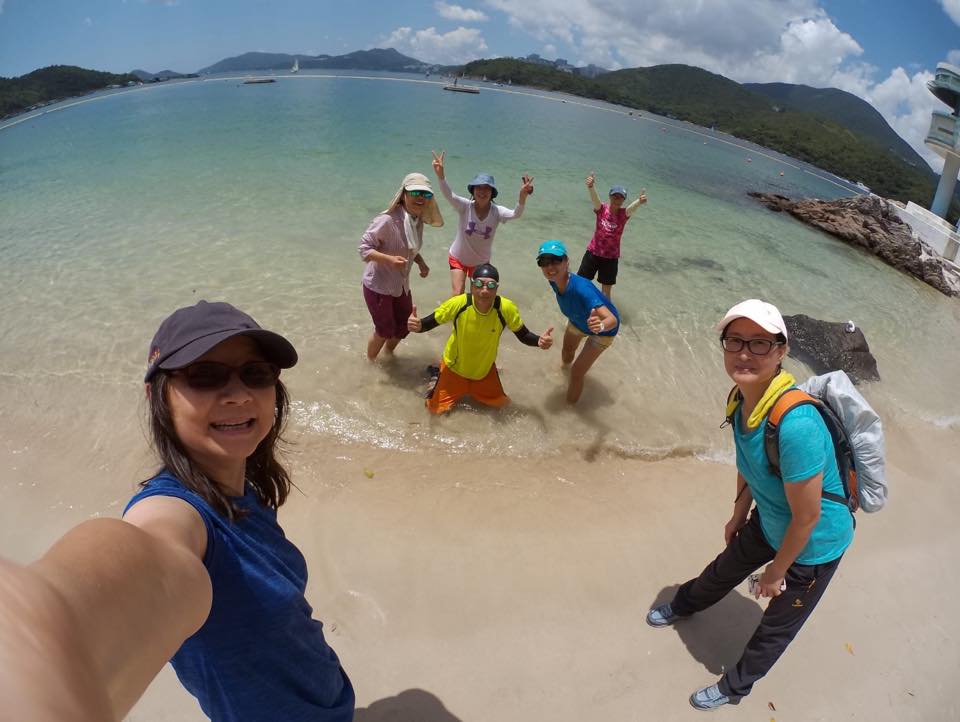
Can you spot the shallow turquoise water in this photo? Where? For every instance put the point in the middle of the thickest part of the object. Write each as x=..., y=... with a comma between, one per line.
x=116, y=211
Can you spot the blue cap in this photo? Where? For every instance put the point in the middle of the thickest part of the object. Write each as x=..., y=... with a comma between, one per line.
x=552, y=248
x=618, y=190
x=482, y=179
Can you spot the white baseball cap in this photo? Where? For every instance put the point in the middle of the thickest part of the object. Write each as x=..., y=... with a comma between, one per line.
x=764, y=314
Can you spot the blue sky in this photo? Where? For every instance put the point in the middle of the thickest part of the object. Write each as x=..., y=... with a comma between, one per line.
x=882, y=50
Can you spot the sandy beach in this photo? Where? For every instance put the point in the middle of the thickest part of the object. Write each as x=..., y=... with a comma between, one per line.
x=460, y=588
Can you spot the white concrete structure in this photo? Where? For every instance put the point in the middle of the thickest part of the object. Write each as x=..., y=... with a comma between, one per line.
x=932, y=229
x=944, y=136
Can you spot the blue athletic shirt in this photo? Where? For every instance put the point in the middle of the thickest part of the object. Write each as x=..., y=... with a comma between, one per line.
x=260, y=655
x=579, y=299
x=805, y=450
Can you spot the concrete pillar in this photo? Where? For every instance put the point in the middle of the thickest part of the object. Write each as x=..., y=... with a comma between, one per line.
x=948, y=181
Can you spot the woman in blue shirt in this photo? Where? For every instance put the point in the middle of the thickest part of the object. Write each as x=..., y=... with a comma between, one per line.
x=198, y=572
x=793, y=532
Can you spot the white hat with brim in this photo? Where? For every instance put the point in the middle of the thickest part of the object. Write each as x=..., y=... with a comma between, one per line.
x=764, y=314
x=419, y=182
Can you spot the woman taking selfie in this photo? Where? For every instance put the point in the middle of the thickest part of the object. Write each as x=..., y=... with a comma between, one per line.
x=198, y=572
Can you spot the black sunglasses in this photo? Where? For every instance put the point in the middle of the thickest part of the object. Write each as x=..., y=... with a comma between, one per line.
x=213, y=376
x=548, y=260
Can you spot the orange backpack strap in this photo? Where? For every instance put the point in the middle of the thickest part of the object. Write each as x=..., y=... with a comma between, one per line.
x=789, y=399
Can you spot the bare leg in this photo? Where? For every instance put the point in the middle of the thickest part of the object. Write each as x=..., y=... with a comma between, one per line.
x=374, y=345
x=607, y=289
x=457, y=281
x=392, y=343
x=590, y=353
x=570, y=343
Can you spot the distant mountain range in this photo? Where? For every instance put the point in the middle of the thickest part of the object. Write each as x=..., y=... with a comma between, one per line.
x=148, y=77
x=377, y=59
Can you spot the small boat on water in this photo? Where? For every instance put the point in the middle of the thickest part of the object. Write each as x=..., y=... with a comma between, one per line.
x=296, y=66
x=461, y=88
x=257, y=81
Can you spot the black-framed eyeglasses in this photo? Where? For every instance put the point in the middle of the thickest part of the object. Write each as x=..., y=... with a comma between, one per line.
x=213, y=376
x=756, y=346
x=421, y=194
x=548, y=260
x=480, y=283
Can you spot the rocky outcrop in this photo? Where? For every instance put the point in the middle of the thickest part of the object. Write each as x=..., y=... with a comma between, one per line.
x=870, y=222
x=829, y=346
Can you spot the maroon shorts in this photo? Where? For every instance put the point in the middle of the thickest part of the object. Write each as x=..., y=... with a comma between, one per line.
x=389, y=313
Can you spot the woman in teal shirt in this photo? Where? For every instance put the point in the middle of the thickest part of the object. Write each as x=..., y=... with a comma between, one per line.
x=793, y=532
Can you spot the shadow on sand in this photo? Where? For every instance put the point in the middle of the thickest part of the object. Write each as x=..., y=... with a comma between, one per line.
x=412, y=705
x=716, y=636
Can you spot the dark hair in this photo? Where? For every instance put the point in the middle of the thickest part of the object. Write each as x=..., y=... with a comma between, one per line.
x=264, y=472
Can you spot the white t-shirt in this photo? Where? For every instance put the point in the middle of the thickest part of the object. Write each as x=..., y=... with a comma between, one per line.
x=474, y=239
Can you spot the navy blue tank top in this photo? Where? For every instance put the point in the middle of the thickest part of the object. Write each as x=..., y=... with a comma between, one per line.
x=260, y=655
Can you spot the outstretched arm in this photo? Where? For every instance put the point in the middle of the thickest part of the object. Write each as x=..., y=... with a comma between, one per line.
x=419, y=325
x=85, y=629
x=641, y=199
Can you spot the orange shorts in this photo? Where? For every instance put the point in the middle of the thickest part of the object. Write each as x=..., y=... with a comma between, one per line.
x=451, y=387
x=454, y=263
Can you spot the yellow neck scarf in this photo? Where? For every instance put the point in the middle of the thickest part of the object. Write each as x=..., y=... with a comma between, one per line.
x=780, y=383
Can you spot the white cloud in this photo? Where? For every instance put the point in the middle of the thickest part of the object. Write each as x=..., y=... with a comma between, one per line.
x=952, y=8
x=459, y=14
x=457, y=46
x=953, y=57
x=793, y=41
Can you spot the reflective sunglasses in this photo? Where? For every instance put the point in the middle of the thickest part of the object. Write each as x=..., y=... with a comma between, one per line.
x=756, y=346
x=213, y=376
x=421, y=194
x=479, y=283
x=549, y=260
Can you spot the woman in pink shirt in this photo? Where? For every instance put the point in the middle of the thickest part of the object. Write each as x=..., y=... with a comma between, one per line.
x=602, y=256
x=390, y=246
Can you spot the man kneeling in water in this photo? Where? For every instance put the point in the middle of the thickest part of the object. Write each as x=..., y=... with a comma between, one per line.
x=469, y=358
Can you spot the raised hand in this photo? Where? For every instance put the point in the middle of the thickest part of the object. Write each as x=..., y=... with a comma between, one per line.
x=643, y=196
x=526, y=189
x=546, y=339
x=438, y=163
x=591, y=179
x=413, y=323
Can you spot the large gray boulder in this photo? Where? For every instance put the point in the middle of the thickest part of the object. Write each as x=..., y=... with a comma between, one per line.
x=830, y=346
x=871, y=223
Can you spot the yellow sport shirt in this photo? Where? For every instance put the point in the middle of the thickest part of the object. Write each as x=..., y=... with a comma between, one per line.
x=472, y=347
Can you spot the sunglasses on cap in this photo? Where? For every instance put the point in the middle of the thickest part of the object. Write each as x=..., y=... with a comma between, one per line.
x=421, y=194
x=480, y=283
x=548, y=260
x=213, y=376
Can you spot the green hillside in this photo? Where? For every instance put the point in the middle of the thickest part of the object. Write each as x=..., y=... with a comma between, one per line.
x=707, y=99
x=55, y=82
x=844, y=108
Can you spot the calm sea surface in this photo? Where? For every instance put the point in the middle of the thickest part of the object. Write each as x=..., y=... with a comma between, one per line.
x=115, y=211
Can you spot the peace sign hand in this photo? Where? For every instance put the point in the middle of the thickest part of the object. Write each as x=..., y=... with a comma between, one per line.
x=527, y=188
x=438, y=163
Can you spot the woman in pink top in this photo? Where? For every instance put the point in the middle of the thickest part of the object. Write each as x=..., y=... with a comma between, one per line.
x=390, y=246
x=479, y=218
x=602, y=256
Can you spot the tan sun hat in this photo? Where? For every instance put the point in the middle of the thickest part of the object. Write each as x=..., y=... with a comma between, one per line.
x=764, y=314
x=419, y=182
